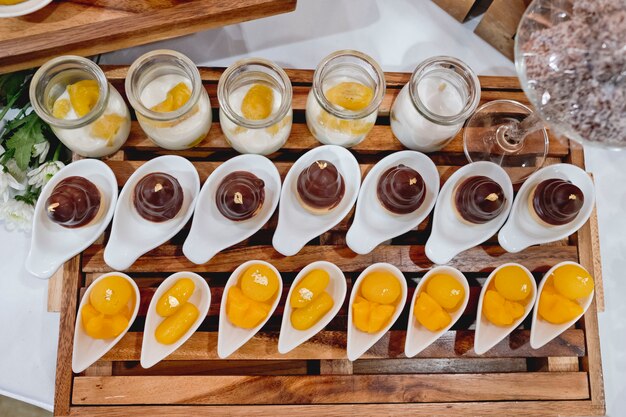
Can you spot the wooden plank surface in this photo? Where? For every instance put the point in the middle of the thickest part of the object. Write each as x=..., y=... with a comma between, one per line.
x=320, y=389
x=328, y=345
x=459, y=9
x=89, y=28
x=408, y=258
x=55, y=291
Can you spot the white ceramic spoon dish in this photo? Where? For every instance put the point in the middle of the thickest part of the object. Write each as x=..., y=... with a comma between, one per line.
x=87, y=350
x=418, y=337
x=451, y=236
x=296, y=225
x=21, y=9
x=542, y=331
x=132, y=235
x=487, y=334
x=291, y=338
x=210, y=231
x=53, y=244
x=373, y=224
x=359, y=342
x=522, y=230
x=152, y=351
x=231, y=337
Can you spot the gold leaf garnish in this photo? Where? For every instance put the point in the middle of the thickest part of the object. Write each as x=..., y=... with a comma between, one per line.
x=442, y=87
x=413, y=181
x=52, y=206
x=572, y=197
x=158, y=187
x=238, y=198
x=492, y=197
x=321, y=164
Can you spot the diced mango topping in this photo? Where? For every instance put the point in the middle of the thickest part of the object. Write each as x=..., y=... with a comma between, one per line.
x=61, y=108
x=350, y=95
x=258, y=102
x=84, y=95
x=500, y=311
x=249, y=302
x=175, y=99
x=446, y=290
x=442, y=293
x=429, y=313
x=513, y=283
x=559, y=298
x=107, y=126
x=375, y=303
x=305, y=317
x=107, y=313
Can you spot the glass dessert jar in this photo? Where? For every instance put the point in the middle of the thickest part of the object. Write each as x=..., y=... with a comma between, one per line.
x=84, y=110
x=172, y=106
x=255, y=106
x=432, y=107
x=342, y=106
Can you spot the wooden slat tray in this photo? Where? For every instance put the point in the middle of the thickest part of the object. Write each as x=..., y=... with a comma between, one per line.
x=89, y=27
x=447, y=379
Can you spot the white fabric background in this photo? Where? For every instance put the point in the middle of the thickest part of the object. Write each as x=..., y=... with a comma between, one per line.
x=399, y=34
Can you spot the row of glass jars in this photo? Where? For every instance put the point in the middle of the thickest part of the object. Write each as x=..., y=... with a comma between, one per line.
x=172, y=106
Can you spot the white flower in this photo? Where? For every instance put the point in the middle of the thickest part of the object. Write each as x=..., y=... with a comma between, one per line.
x=18, y=173
x=7, y=182
x=17, y=215
x=41, y=150
x=38, y=177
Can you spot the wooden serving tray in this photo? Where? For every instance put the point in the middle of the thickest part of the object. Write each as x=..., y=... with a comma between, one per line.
x=89, y=27
x=447, y=379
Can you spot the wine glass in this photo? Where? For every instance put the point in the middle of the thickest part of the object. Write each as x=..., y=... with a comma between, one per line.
x=571, y=65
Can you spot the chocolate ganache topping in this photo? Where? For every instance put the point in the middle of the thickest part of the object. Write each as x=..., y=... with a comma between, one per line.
x=240, y=195
x=401, y=189
x=74, y=202
x=557, y=201
x=321, y=186
x=479, y=199
x=158, y=197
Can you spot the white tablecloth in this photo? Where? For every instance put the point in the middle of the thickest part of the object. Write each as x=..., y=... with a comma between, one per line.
x=399, y=34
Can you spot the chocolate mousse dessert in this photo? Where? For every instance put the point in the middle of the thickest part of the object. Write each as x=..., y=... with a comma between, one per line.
x=478, y=199
x=320, y=187
x=240, y=195
x=401, y=190
x=158, y=197
x=556, y=202
x=74, y=202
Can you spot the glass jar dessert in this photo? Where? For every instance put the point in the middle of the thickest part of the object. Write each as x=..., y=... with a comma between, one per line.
x=342, y=106
x=84, y=110
x=432, y=107
x=255, y=106
x=172, y=106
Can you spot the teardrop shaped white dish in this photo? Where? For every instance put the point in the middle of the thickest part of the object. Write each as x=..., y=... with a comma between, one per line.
x=152, y=351
x=53, y=244
x=542, y=331
x=87, y=350
x=373, y=224
x=487, y=335
x=418, y=337
x=451, y=236
x=291, y=338
x=231, y=337
x=210, y=231
x=360, y=342
x=296, y=225
x=522, y=230
x=132, y=235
